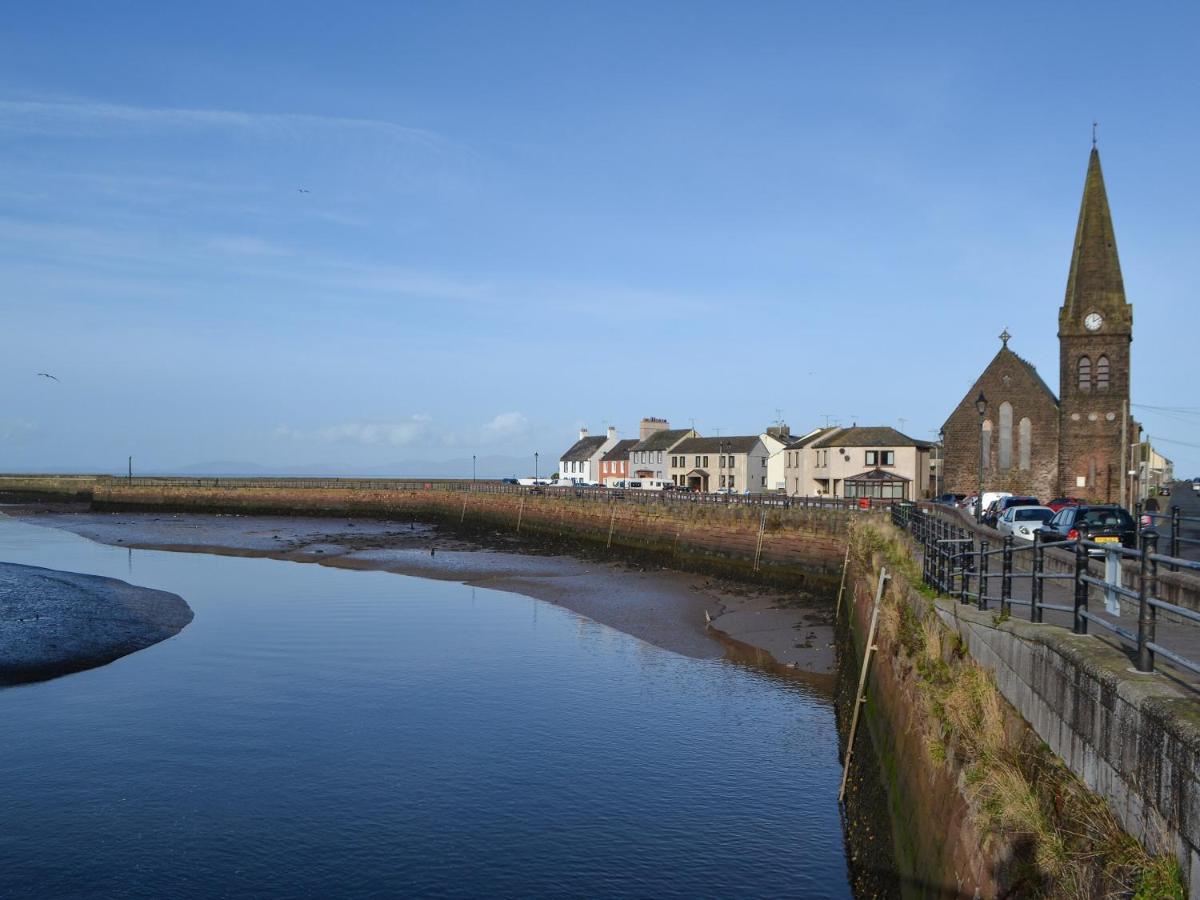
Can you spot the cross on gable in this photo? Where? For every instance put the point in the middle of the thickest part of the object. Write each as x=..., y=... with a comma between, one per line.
x=1004, y=337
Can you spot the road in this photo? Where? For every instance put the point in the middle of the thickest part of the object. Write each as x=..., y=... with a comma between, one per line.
x=1188, y=502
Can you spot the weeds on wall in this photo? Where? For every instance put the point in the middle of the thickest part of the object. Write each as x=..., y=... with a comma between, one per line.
x=1063, y=839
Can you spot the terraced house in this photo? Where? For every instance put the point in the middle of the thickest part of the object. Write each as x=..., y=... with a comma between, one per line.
x=876, y=462
x=648, y=457
x=581, y=463
x=737, y=463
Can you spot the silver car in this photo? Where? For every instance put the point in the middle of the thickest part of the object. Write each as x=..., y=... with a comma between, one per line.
x=1022, y=521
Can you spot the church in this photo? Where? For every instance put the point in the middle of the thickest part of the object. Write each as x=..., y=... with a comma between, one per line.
x=1083, y=442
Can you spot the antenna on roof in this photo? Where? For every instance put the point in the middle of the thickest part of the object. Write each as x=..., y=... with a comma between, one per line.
x=827, y=417
x=901, y=420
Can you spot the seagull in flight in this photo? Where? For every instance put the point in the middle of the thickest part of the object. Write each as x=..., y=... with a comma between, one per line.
x=47, y=375
x=304, y=190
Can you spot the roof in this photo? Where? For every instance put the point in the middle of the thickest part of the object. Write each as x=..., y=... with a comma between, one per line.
x=619, y=451
x=1095, y=277
x=815, y=435
x=662, y=440
x=878, y=475
x=882, y=436
x=584, y=448
x=731, y=444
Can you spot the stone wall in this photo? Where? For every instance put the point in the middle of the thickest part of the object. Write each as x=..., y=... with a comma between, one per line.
x=798, y=547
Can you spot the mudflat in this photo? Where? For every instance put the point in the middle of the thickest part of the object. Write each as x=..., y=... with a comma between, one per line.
x=689, y=614
x=53, y=623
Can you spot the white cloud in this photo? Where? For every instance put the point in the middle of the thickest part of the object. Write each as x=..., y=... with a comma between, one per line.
x=505, y=425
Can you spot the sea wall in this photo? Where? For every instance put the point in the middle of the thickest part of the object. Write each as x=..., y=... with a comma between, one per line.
x=795, y=548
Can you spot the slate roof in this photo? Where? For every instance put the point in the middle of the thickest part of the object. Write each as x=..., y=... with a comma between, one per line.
x=869, y=437
x=732, y=444
x=809, y=439
x=620, y=450
x=584, y=448
x=661, y=440
x=879, y=475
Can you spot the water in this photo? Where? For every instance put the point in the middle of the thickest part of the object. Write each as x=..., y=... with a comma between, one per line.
x=320, y=732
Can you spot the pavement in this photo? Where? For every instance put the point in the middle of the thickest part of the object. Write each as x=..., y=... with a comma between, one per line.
x=1182, y=638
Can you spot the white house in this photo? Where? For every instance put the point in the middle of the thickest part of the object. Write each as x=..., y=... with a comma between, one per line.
x=581, y=463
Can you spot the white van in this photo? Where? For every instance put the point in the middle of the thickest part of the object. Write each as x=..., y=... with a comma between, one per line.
x=646, y=484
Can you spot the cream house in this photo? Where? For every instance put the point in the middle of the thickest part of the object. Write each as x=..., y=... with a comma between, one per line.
x=854, y=462
x=737, y=464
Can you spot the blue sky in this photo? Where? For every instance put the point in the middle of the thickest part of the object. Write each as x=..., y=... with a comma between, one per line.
x=526, y=217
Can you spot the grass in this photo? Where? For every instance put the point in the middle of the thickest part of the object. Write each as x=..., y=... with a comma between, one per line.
x=1065, y=840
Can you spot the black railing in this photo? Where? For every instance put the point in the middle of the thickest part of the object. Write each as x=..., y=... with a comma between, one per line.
x=958, y=561
x=1172, y=527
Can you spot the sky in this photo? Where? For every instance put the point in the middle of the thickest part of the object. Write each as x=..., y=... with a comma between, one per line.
x=363, y=237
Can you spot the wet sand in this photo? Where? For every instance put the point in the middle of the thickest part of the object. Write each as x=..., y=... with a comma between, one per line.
x=666, y=608
x=53, y=623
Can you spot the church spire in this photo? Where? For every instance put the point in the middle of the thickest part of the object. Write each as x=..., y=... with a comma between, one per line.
x=1095, y=281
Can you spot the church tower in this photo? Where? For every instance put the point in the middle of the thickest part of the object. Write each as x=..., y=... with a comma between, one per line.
x=1095, y=329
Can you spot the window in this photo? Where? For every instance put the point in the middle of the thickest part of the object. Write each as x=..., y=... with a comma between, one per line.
x=872, y=458
x=731, y=485
x=697, y=462
x=887, y=457
x=721, y=462
x=722, y=480
x=1102, y=374
x=1005, y=435
x=660, y=455
x=986, y=449
x=1085, y=374
x=706, y=462
x=764, y=481
x=1025, y=438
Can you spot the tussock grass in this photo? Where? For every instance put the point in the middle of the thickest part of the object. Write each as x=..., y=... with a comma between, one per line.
x=1065, y=840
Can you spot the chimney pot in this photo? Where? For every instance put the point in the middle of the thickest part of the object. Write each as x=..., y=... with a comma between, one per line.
x=612, y=432
x=583, y=432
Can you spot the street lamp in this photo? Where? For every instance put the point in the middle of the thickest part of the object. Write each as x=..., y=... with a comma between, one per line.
x=941, y=467
x=981, y=405
x=472, y=468
x=535, y=478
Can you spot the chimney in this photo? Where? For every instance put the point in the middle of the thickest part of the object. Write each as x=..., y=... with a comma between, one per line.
x=582, y=433
x=612, y=432
x=651, y=425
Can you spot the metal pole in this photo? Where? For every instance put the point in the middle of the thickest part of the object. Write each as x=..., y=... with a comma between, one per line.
x=1147, y=585
x=1036, y=584
x=131, y=472
x=1175, y=535
x=979, y=495
x=983, y=574
x=1081, y=588
x=472, y=470
x=859, y=699
x=535, y=472
x=1006, y=576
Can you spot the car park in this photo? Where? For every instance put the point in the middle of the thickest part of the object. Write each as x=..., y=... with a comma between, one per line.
x=1001, y=505
x=1101, y=524
x=1022, y=521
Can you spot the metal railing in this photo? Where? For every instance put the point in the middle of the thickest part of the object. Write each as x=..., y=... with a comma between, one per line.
x=1171, y=525
x=961, y=563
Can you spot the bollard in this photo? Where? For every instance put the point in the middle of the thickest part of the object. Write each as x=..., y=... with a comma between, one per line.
x=1036, y=585
x=1006, y=577
x=1081, y=588
x=1147, y=587
x=983, y=574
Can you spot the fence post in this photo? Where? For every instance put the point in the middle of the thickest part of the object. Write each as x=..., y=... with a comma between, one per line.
x=965, y=556
x=1175, y=535
x=1081, y=587
x=1036, y=585
x=983, y=574
x=1006, y=577
x=1147, y=588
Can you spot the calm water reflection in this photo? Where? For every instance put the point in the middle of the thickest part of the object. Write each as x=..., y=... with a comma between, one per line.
x=321, y=732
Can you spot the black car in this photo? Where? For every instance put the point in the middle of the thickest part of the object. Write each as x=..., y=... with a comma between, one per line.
x=1108, y=524
x=950, y=499
x=992, y=514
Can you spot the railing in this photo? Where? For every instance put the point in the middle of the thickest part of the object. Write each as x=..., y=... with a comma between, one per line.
x=466, y=485
x=1176, y=522
x=963, y=564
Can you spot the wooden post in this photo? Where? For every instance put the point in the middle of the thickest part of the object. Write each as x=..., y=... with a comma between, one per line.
x=859, y=698
x=762, y=526
x=464, y=511
x=520, y=514
x=612, y=523
x=842, y=587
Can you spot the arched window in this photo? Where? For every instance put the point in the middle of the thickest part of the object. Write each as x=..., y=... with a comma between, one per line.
x=1102, y=374
x=986, y=450
x=1024, y=440
x=1085, y=374
x=1005, y=435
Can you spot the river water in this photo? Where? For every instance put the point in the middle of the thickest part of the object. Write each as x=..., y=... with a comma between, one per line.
x=321, y=732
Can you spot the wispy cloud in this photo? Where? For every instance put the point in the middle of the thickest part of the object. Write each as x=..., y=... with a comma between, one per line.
x=394, y=434
x=86, y=118
x=505, y=426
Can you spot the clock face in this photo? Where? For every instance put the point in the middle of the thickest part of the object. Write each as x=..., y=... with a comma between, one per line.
x=1093, y=321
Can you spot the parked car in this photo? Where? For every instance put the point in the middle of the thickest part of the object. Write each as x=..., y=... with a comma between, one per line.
x=1060, y=502
x=1102, y=524
x=950, y=499
x=1000, y=506
x=1022, y=521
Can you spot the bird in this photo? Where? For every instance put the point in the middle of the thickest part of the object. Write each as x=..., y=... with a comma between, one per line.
x=47, y=375
x=304, y=190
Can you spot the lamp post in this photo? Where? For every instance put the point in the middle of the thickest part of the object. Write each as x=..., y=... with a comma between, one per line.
x=981, y=405
x=941, y=467
x=535, y=477
x=472, y=468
